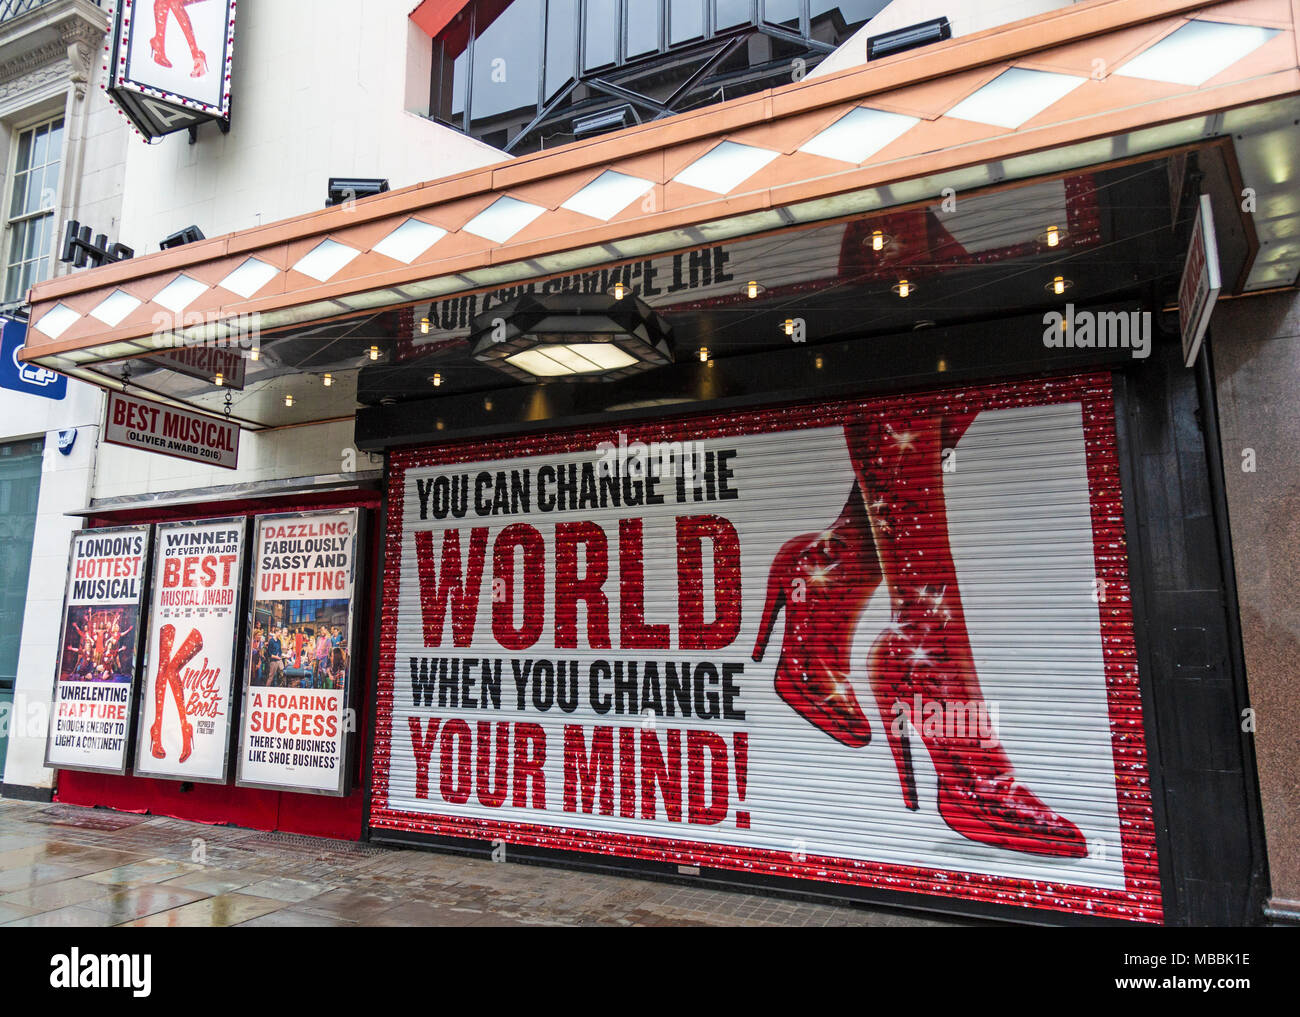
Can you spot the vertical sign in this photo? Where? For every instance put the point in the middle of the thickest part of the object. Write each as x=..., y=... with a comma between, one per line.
x=171, y=63
x=185, y=703
x=1201, y=282
x=98, y=650
x=299, y=670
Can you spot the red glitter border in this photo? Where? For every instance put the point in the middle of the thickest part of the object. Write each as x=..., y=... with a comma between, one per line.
x=1139, y=901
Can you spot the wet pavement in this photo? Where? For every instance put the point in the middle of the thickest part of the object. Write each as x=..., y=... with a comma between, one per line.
x=61, y=865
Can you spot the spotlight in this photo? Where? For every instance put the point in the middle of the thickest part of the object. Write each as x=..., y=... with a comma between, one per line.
x=1058, y=285
x=704, y=354
x=219, y=380
x=754, y=290
x=328, y=380
x=424, y=326
x=903, y=288
x=288, y=401
x=889, y=43
x=618, y=291
x=788, y=326
x=436, y=380
x=344, y=189
x=189, y=235
x=879, y=240
x=1052, y=236
x=374, y=352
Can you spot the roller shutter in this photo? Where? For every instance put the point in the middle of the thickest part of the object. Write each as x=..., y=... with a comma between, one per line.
x=884, y=642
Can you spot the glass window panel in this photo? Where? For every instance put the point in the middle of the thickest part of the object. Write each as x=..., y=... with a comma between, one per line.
x=685, y=20
x=505, y=61
x=730, y=13
x=642, y=27
x=40, y=146
x=20, y=481
x=782, y=12
x=852, y=12
x=600, y=35
x=561, y=44
x=18, y=204
x=24, y=150
x=459, y=77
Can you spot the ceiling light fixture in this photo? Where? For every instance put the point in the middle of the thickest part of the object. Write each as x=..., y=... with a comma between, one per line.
x=424, y=326
x=787, y=326
x=879, y=240
x=571, y=337
x=436, y=380
x=1058, y=285
x=374, y=352
x=328, y=380
x=219, y=380
x=1053, y=236
x=618, y=291
x=704, y=354
x=288, y=401
x=754, y=290
x=904, y=288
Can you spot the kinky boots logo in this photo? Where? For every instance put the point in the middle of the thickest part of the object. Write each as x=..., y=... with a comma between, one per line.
x=75, y=970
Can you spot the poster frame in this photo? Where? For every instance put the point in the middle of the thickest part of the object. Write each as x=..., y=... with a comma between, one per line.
x=241, y=586
x=345, y=785
x=137, y=653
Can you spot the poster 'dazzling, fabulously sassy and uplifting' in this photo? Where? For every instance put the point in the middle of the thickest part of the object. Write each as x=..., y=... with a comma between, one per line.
x=299, y=672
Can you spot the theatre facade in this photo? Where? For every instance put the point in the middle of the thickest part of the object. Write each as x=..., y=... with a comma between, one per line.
x=841, y=488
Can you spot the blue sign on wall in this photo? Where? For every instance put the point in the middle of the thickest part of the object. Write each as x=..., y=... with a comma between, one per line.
x=30, y=378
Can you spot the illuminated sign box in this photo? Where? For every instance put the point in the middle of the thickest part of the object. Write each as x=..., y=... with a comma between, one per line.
x=171, y=60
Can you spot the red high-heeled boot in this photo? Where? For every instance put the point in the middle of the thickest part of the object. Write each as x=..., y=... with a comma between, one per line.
x=166, y=635
x=822, y=581
x=188, y=651
x=924, y=657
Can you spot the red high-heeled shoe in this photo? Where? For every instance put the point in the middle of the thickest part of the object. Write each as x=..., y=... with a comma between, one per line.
x=924, y=657
x=169, y=676
x=166, y=635
x=822, y=581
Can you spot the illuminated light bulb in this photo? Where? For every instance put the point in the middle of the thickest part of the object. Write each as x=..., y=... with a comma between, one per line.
x=1058, y=285
x=288, y=401
x=877, y=240
x=255, y=353
x=487, y=405
x=704, y=354
x=818, y=363
x=374, y=352
x=219, y=380
x=437, y=380
x=752, y=289
x=328, y=379
x=788, y=327
x=424, y=326
x=942, y=365
x=903, y=289
x=619, y=291
x=440, y=425
x=1053, y=236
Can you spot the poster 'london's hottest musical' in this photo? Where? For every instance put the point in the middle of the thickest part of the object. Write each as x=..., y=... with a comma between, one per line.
x=186, y=700
x=90, y=727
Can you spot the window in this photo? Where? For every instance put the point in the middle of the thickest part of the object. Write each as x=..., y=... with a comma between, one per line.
x=31, y=207
x=20, y=485
x=533, y=74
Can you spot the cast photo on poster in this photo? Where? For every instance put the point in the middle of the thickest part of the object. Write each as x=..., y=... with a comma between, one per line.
x=100, y=644
x=301, y=644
